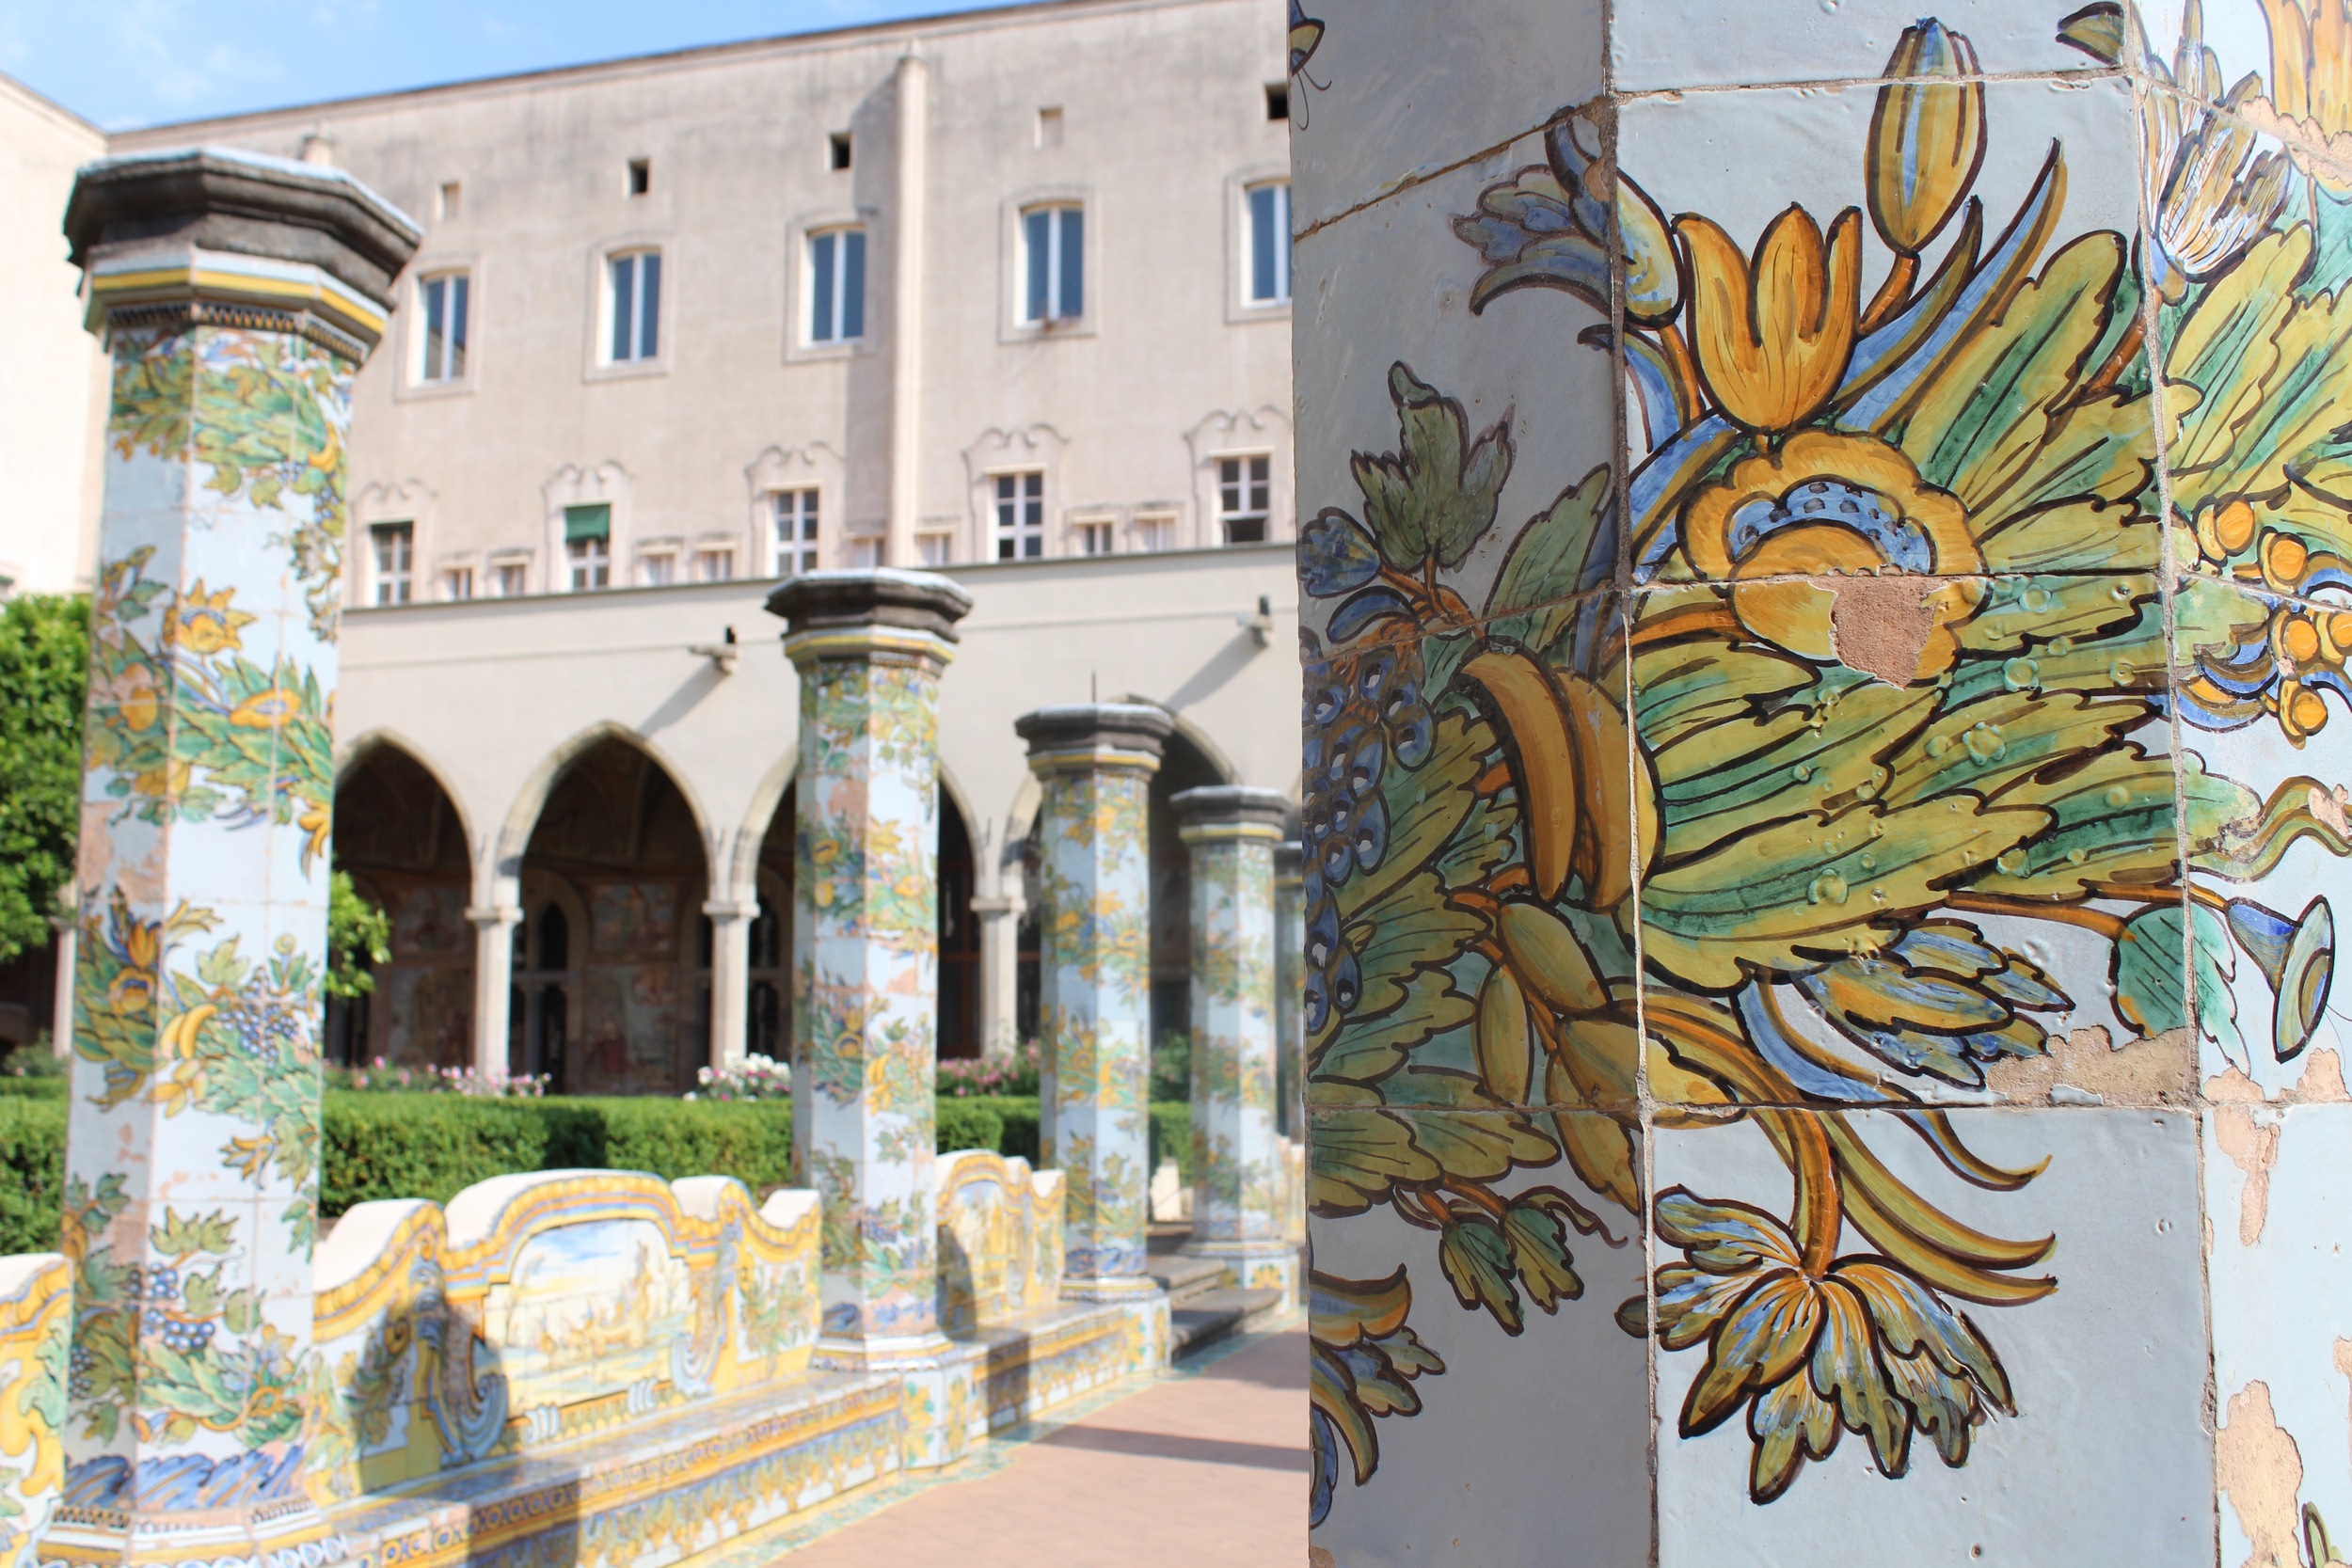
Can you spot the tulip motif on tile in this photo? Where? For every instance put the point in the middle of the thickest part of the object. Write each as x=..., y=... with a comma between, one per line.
x=1733, y=790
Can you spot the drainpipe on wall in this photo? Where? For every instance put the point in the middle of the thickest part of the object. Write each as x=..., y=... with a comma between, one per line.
x=906, y=313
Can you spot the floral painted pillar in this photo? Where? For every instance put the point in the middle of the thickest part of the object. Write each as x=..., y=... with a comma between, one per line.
x=1095, y=764
x=1238, y=1176
x=238, y=295
x=870, y=646
x=1829, y=752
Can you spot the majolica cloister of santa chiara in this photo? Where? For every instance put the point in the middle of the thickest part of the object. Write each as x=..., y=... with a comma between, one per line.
x=1781, y=1012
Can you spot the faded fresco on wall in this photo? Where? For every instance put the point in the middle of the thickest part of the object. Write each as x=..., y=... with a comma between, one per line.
x=1829, y=782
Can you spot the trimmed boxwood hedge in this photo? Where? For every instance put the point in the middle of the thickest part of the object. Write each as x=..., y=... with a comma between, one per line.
x=433, y=1146
x=32, y=1171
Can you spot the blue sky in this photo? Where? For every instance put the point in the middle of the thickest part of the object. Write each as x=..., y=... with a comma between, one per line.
x=124, y=63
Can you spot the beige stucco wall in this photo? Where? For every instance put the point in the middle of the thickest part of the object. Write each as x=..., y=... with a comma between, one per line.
x=1163, y=116
x=52, y=398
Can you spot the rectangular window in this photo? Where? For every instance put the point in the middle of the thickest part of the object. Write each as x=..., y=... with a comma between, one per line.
x=441, y=311
x=836, y=286
x=634, y=293
x=1269, y=244
x=511, y=579
x=1155, y=533
x=1095, y=537
x=1020, y=516
x=795, y=513
x=640, y=176
x=457, y=583
x=1053, y=257
x=588, y=545
x=865, y=554
x=393, y=543
x=452, y=198
x=658, y=570
x=714, y=563
x=1244, y=494
x=838, y=150
x=935, y=550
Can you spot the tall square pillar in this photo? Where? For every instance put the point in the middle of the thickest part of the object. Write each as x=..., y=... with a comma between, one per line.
x=238, y=295
x=1240, y=1180
x=870, y=646
x=1829, y=750
x=1094, y=764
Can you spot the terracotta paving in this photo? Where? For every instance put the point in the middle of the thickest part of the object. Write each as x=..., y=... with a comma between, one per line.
x=1206, y=1468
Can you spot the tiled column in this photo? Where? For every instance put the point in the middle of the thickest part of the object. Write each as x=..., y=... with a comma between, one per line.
x=493, y=986
x=238, y=295
x=1238, y=1178
x=1825, y=799
x=1095, y=764
x=730, y=982
x=870, y=646
x=1290, y=940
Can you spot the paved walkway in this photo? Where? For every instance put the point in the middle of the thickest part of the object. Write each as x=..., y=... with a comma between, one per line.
x=1207, y=1470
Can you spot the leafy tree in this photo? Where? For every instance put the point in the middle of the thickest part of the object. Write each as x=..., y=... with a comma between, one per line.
x=358, y=934
x=45, y=663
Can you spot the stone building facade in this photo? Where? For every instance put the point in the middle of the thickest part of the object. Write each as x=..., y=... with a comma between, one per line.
x=1001, y=294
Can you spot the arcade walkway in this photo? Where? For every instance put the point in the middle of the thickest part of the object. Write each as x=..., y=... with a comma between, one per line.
x=1206, y=1465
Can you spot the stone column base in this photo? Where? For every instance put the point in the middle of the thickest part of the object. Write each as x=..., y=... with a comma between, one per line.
x=283, y=1532
x=946, y=1410
x=1257, y=1265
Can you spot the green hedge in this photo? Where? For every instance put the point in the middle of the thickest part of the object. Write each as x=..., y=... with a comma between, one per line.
x=748, y=1139
x=1171, y=1134
x=1171, y=1129
x=32, y=1172
x=433, y=1146
x=429, y=1146
x=51, y=1086
x=969, y=1123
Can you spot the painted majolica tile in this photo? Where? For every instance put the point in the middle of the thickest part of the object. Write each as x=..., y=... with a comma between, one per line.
x=1819, y=1336
x=2269, y=60
x=2268, y=833
x=1667, y=44
x=1485, y=390
x=1917, y=352
x=192, y=1160
x=1915, y=841
x=1913, y=725
x=2276, y=1185
x=1386, y=92
x=867, y=959
x=1095, y=876
x=1475, y=1398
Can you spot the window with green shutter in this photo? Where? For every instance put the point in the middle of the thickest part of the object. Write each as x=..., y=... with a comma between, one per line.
x=588, y=544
